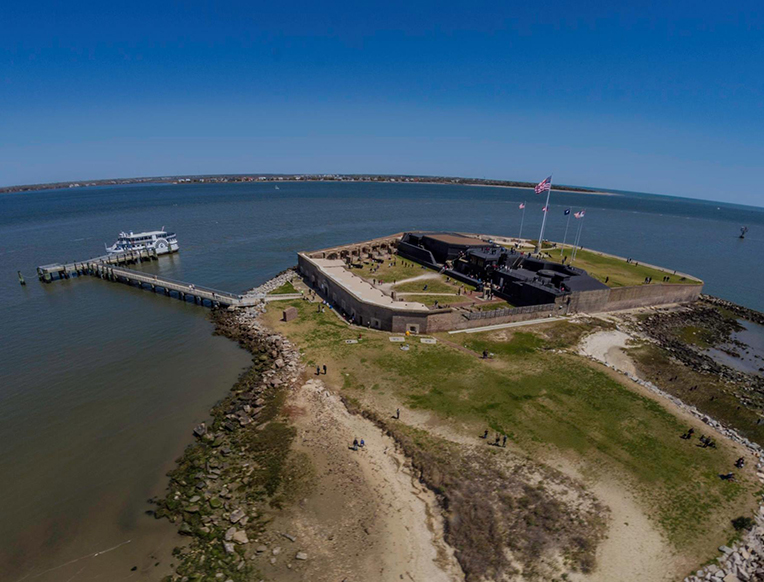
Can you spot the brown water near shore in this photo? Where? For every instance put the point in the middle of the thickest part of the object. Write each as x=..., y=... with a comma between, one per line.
x=107, y=423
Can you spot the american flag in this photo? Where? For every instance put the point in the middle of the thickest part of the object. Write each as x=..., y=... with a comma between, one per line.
x=545, y=209
x=580, y=214
x=545, y=185
x=522, y=205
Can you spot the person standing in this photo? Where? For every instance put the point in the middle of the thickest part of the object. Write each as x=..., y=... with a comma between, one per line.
x=324, y=369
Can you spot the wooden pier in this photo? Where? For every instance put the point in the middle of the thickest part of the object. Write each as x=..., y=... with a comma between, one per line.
x=110, y=268
x=47, y=273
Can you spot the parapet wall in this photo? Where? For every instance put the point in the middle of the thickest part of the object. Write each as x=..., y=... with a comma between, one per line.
x=653, y=294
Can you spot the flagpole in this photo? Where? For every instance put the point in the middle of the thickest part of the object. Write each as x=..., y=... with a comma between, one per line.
x=580, y=233
x=522, y=219
x=578, y=237
x=575, y=242
x=543, y=220
x=564, y=238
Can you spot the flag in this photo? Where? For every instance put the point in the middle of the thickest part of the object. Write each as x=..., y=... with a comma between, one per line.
x=545, y=185
x=567, y=211
x=545, y=209
x=580, y=214
x=522, y=205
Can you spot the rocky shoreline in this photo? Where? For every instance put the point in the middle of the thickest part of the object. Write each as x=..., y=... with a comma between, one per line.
x=233, y=472
x=717, y=328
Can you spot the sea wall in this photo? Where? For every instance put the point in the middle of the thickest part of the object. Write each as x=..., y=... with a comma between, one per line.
x=652, y=294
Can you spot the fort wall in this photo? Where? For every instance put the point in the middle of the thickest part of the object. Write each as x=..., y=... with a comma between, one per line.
x=653, y=294
x=399, y=319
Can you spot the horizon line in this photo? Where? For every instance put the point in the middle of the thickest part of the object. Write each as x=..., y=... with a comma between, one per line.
x=89, y=183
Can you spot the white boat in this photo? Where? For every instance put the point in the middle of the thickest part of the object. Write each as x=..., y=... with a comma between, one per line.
x=159, y=240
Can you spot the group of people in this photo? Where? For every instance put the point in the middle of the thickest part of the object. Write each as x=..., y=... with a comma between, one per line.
x=705, y=441
x=708, y=442
x=499, y=441
x=358, y=444
x=318, y=370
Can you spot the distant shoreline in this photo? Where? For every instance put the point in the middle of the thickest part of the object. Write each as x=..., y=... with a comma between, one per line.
x=268, y=178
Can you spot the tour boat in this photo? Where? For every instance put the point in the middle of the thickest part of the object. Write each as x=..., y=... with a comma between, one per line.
x=159, y=240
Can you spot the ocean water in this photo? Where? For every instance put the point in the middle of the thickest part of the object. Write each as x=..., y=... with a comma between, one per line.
x=102, y=383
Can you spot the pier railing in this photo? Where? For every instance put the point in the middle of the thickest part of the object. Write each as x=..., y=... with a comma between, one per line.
x=110, y=267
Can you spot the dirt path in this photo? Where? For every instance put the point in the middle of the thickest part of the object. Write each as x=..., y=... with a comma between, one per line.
x=389, y=286
x=366, y=517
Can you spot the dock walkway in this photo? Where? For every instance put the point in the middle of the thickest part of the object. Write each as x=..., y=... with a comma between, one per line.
x=110, y=267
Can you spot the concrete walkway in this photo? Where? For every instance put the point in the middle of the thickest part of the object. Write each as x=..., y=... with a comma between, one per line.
x=506, y=325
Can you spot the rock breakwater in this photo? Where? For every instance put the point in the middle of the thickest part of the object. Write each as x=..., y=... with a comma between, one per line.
x=234, y=469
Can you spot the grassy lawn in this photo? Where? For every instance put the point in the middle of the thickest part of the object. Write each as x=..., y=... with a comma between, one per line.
x=433, y=286
x=285, y=289
x=619, y=272
x=442, y=300
x=402, y=269
x=546, y=402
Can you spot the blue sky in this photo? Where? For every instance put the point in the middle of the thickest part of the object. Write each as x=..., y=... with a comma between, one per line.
x=664, y=97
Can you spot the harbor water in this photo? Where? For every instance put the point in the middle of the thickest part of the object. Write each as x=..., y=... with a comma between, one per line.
x=103, y=383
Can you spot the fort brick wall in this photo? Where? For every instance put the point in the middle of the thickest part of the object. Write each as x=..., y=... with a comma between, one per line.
x=653, y=294
x=399, y=319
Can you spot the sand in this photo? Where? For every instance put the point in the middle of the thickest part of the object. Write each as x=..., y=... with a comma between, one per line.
x=366, y=517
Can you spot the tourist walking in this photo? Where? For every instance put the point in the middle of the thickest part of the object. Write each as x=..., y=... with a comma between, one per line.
x=397, y=413
x=324, y=369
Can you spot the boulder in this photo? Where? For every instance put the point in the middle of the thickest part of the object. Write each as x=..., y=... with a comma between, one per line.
x=301, y=556
x=236, y=515
x=240, y=537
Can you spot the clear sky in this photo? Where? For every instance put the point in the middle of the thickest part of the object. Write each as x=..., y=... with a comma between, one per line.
x=664, y=97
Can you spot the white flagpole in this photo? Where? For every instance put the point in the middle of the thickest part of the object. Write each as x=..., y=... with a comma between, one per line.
x=564, y=238
x=522, y=219
x=543, y=220
x=578, y=237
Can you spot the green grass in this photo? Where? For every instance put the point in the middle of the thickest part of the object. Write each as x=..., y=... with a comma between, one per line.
x=433, y=286
x=709, y=394
x=285, y=289
x=618, y=272
x=431, y=299
x=540, y=399
x=403, y=269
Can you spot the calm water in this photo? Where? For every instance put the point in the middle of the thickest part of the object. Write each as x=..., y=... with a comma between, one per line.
x=749, y=359
x=103, y=383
